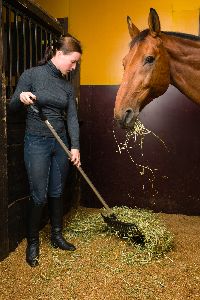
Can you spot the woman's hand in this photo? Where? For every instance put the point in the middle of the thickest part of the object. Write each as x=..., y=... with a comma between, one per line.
x=27, y=98
x=75, y=159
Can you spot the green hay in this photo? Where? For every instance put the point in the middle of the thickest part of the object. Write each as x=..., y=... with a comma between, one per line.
x=157, y=239
x=86, y=224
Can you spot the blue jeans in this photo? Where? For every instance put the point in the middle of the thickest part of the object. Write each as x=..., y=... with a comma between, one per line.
x=47, y=166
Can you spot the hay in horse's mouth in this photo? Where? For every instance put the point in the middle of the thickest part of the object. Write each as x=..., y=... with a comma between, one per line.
x=138, y=129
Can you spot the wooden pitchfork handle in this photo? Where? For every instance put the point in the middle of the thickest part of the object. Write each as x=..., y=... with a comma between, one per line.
x=38, y=110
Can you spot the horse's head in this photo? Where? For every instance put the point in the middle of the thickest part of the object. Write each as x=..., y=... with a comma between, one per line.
x=146, y=71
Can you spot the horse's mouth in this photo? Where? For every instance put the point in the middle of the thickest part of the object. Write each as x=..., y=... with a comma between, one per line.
x=125, y=125
x=128, y=119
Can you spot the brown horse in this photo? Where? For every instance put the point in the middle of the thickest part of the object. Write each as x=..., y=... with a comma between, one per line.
x=155, y=60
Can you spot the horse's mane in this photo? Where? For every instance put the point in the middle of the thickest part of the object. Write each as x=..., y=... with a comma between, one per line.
x=143, y=34
x=183, y=35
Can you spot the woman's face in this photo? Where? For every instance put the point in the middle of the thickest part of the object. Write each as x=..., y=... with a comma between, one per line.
x=66, y=62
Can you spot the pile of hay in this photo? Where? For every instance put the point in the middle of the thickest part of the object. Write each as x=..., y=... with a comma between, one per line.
x=157, y=240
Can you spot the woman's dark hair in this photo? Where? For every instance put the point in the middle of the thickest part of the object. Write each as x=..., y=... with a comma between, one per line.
x=66, y=44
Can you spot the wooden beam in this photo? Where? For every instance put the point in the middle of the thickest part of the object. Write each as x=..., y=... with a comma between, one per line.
x=4, y=248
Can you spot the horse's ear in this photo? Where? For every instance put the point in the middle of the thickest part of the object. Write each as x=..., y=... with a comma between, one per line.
x=154, y=22
x=133, y=30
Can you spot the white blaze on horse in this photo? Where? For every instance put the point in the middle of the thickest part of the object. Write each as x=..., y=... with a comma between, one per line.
x=155, y=60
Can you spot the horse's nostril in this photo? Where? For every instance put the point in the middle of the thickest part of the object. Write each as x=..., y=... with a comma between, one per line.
x=129, y=110
x=128, y=119
x=128, y=115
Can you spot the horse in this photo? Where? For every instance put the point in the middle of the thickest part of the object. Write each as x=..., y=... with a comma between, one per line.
x=156, y=59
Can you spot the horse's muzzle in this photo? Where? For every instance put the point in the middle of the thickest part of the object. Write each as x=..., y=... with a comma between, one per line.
x=128, y=118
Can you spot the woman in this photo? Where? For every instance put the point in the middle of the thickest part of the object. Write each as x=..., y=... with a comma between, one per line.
x=46, y=162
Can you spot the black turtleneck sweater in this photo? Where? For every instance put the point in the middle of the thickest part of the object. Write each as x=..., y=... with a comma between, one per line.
x=55, y=95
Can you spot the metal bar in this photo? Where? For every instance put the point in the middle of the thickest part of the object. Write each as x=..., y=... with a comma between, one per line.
x=30, y=44
x=3, y=20
x=36, y=43
x=24, y=41
x=17, y=45
x=11, y=51
x=41, y=53
x=50, y=39
x=9, y=61
x=45, y=40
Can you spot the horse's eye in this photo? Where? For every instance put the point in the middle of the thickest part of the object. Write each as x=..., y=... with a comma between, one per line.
x=149, y=60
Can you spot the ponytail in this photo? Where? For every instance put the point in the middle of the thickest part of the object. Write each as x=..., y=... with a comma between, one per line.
x=49, y=53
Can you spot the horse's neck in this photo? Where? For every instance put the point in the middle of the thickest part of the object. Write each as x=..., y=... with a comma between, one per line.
x=184, y=56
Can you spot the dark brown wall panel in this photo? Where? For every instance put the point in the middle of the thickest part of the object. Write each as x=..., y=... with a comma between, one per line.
x=17, y=213
x=172, y=117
